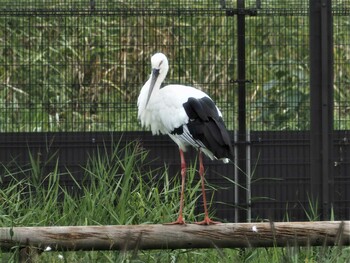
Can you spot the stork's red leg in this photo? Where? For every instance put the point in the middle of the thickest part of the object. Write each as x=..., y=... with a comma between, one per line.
x=180, y=219
x=207, y=220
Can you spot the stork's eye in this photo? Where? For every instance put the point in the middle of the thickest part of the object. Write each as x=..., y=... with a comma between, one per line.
x=160, y=63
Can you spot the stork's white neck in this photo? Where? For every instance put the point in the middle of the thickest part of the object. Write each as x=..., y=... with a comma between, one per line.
x=160, y=79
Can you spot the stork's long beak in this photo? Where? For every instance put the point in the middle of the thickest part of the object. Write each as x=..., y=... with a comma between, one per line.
x=155, y=74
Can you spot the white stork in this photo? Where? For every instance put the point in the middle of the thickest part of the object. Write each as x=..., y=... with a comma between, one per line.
x=189, y=117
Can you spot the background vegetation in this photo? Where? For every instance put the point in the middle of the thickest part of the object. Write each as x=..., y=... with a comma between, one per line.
x=80, y=67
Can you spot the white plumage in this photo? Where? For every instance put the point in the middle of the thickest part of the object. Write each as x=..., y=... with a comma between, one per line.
x=165, y=110
x=187, y=115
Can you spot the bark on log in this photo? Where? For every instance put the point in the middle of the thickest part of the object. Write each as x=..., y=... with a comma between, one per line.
x=230, y=235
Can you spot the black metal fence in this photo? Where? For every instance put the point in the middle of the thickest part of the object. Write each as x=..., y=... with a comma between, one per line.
x=71, y=71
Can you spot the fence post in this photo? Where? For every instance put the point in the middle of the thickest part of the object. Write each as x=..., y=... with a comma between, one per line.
x=321, y=100
x=241, y=179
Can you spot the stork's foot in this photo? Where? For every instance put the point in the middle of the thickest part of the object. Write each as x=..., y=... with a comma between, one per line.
x=207, y=221
x=179, y=221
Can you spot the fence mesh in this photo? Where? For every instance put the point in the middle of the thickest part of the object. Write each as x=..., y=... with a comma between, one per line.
x=278, y=67
x=67, y=66
x=341, y=11
x=81, y=5
x=65, y=71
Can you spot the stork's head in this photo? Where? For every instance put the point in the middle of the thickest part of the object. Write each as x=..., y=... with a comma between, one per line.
x=159, y=64
x=160, y=68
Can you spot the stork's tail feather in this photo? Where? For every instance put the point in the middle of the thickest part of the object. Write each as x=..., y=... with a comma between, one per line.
x=214, y=136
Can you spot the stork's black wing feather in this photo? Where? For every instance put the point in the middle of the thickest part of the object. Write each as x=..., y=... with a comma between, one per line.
x=206, y=126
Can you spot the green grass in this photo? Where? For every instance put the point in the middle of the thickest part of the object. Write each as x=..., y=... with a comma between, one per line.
x=118, y=189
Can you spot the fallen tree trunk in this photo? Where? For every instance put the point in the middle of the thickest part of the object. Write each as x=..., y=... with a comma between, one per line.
x=230, y=235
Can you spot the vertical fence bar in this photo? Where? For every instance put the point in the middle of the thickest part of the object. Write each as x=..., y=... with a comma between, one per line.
x=321, y=93
x=248, y=179
x=315, y=100
x=236, y=173
x=241, y=110
x=327, y=105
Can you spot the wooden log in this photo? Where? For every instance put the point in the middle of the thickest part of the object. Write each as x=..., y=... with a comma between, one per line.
x=230, y=235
